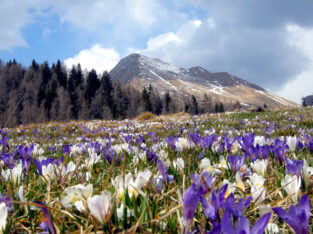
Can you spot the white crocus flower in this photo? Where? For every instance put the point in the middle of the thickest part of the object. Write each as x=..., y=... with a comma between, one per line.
x=132, y=186
x=239, y=183
x=271, y=228
x=260, y=166
x=183, y=143
x=235, y=147
x=76, y=195
x=120, y=212
x=259, y=140
x=100, y=207
x=163, y=155
x=291, y=185
x=141, y=156
x=48, y=171
x=91, y=160
x=68, y=169
x=223, y=163
x=14, y=174
x=179, y=164
x=121, y=148
x=230, y=188
x=291, y=142
x=205, y=165
x=3, y=216
x=307, y=173
x=37, y=150
x=75, y=149
x=257, y=188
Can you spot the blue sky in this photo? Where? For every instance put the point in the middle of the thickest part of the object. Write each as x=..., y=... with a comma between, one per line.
x=265, y=42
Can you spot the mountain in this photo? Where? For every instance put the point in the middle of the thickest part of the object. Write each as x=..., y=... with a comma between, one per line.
x=140, y=71
x=308, y=100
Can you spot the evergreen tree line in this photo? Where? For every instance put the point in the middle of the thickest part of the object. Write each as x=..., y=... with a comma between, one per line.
x=41, y=93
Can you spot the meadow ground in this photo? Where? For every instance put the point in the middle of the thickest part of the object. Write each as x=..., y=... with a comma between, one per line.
x=214, y=173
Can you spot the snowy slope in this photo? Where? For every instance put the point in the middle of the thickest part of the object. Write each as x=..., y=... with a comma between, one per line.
x=140, y=71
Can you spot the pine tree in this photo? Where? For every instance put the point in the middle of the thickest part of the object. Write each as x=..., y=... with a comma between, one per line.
x=195, y=109
x=167, y=102
x=92, y=85
x=146, y=100
x=60, y=73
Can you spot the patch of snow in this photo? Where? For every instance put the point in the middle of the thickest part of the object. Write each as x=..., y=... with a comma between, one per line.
x=158, y=64
x=184, y=83
x=163, y=80
x=277, y=99
x=217, y=89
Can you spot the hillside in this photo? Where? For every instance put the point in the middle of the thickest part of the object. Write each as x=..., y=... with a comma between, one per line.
x=140, y=71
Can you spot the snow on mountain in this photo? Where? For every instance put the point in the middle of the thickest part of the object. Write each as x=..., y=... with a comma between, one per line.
x=140, y=71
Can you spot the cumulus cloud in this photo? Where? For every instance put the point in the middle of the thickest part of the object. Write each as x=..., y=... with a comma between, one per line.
x=125, y=14
x=110, y=21
x=98, y=58
x=250, y=39
x=12, y=17
x=301, y=84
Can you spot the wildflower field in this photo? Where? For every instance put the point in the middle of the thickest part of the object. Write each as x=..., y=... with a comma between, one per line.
x=213, y=173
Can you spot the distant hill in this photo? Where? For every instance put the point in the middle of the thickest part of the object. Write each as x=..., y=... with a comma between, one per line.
x=140, y=71
x=308, y=100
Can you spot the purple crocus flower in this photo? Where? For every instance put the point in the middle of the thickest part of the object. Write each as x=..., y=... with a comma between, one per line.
x=298, y=216
x=216, y=201
x=310, y=144
x=207, y=141
x=45, y=162
x=237, y=163
x=243, y=226
x=194, y=137
x=294, y=167
x=66, y=149
x=151, y=156
x=128, y=139
x=3, y=142
x=253, y=152
x=264, y=151
x=247, y=140
x=25, y=156
x=200, y=186
x=140, y=139
x=8, y=201
x=226, y=144
x=164, y=172
x=235, y=208
x=8, y=159
x=153, y=137
x=171, y=141
x=46, y=213
x=111, y=156
x=279, y=149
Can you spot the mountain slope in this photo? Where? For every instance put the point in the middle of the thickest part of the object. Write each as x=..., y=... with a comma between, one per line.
x=140, y=71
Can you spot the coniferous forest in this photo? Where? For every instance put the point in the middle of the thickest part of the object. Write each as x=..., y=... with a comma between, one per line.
x=41, y=93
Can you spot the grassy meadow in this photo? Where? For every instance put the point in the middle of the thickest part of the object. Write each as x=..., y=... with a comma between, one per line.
x=212, y=173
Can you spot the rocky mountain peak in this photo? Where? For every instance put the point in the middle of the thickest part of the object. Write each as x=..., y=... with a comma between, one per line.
x=141, y=71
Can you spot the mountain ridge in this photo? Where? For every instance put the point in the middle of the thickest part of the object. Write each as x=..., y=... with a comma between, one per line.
x=141, y=71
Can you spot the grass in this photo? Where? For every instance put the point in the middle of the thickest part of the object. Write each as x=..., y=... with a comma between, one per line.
x=103, y=155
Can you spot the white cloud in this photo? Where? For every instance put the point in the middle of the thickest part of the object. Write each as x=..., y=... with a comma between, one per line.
x=90, y=14
x=162, y=40
x=300, y=85
x=173, y=46
x=12, y=17
x=98, y=58
x=278, y=60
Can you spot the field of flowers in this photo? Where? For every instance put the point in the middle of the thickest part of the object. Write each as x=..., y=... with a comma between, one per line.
x=225, y=173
